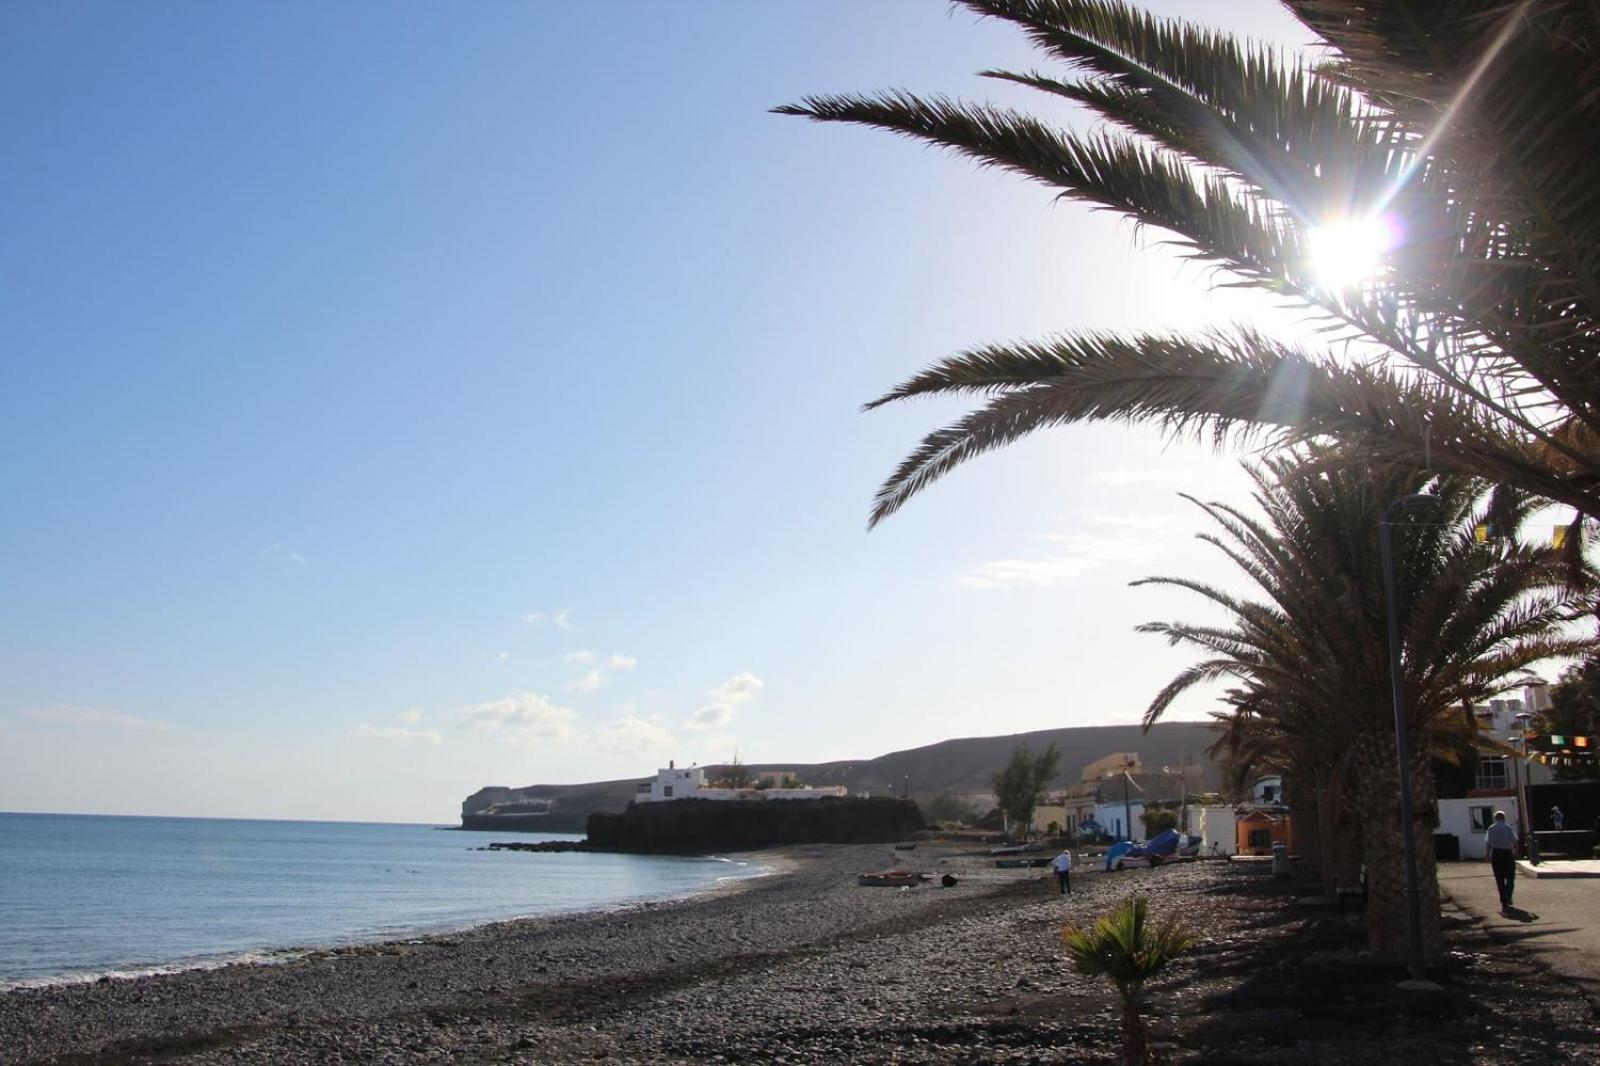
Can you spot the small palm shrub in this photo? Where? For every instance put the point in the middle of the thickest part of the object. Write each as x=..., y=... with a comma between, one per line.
x=1128, y=949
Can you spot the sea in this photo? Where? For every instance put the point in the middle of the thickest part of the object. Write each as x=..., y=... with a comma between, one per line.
x=85, y=896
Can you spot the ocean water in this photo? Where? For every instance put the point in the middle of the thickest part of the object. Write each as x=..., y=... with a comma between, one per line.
x=84, y=895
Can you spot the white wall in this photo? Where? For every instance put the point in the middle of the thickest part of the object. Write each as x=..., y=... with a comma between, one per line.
x=1455, y=816
x=1113, y=818
x=1217, y=825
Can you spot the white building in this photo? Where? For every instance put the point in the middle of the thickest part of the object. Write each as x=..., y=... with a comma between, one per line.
x=1505, y=721
x=1468, y=819
x=673, y=783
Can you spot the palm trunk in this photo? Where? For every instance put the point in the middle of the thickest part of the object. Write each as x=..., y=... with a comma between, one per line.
x=1378, y=795
x=1135, y=1042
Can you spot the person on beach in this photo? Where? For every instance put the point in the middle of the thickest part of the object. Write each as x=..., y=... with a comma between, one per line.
x=1557, y=819
x=1502, y=842
x=1062, y=865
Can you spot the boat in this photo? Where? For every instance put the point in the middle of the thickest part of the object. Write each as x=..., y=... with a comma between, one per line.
x=1021, y=864
x=1015, y=849
x=891, y=879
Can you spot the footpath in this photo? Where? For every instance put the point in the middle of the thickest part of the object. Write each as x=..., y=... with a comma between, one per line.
x=1556, y=919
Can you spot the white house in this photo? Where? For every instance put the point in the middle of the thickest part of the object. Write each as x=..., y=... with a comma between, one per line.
x=1505, y=721
x=673, y=783
x=1468, y=819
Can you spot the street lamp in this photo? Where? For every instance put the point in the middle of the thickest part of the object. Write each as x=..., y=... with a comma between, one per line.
x=1405, y=504
x=1530, y=843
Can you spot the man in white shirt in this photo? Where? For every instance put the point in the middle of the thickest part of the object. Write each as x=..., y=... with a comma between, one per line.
x=1502, y=842
x=1062, y=865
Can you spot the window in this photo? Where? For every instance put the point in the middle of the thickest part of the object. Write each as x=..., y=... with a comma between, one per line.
x=1260, y=838
x=667, y=792
x=1482, y=818
x=1492, y=774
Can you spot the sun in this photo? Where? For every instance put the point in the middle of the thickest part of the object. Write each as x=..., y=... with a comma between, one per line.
x=1348, y=252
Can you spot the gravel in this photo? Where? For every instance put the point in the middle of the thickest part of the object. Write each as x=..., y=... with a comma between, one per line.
x=805, y=966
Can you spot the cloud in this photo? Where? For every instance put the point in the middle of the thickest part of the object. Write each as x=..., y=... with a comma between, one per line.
x=618, y=661
x=725, y=700
x=588, y=681
x=711, y=716
x=578, y=658
x=737, y=688
x=411, y=717
x=503, y=657
x=276, y=548
x=632, y=735
x=63, y=714
x=524, y=714
x=396, y=734
x=1119, y=478
x=1079, y=554
x=558, y=619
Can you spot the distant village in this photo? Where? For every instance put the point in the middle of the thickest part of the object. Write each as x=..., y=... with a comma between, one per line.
x=1119, y=797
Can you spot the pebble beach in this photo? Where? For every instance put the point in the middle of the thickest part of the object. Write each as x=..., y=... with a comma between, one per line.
x=801, y=965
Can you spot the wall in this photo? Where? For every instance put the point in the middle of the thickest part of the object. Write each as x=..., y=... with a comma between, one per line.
x=699, y=826
x=1113, y=818
x=1216, y=827
x=1455, y=816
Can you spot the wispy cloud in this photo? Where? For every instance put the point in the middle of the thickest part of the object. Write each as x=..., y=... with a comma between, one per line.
x=1119, y=478
x=411, y=716
x=277, y=548
x=725, y=701
x=578, y=658
x=618, y=661
x=560, y=619
x=632, y=735
x=1076, y=555
x=502, y=657
x=588, y=681
x=393, y=733
x=524, y=714
x=92, y=717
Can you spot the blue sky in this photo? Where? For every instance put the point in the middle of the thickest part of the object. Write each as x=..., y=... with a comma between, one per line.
x=401, y=398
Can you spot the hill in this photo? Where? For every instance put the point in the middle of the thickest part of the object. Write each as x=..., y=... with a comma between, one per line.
x=962, y=766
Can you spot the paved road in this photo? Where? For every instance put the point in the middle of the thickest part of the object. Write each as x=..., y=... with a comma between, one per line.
x=1556, y=919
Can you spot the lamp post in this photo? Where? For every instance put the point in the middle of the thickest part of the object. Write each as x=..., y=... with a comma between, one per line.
x=1397, y=684
x=1530, y=843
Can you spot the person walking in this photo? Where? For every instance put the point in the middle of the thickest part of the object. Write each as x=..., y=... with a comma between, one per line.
x=1558, y=819
x=1062, y=865
x=1502, y=842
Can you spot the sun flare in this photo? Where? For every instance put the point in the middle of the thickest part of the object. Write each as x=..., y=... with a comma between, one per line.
x=1350, y=251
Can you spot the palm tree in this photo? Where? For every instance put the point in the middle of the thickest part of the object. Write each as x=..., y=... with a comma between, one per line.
x=1125, y=947
x=1455, y=141
x=1308, y=663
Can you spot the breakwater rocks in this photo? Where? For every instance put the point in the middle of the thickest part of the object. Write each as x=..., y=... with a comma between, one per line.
x=698, y=826
x=539, y=845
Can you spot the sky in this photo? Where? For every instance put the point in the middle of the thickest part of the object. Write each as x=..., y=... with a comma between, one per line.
x=399, y=398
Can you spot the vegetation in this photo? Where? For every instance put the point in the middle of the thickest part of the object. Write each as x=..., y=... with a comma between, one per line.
x=1128, y=950
x=948, y=807
x=1454, y=147
x=1158, y=820
x=1308, y=664
x=1019, y=788
x=1451, y=153
x=1575, y=711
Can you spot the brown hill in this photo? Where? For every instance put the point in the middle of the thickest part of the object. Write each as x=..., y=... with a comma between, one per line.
x=954, y=766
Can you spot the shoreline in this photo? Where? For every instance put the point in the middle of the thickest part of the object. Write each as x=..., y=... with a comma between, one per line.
x=320, y=1004
x=279, y=956
x=805, y=966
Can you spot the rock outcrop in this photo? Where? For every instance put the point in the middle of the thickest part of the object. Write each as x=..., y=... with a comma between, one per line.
x=698, y=826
